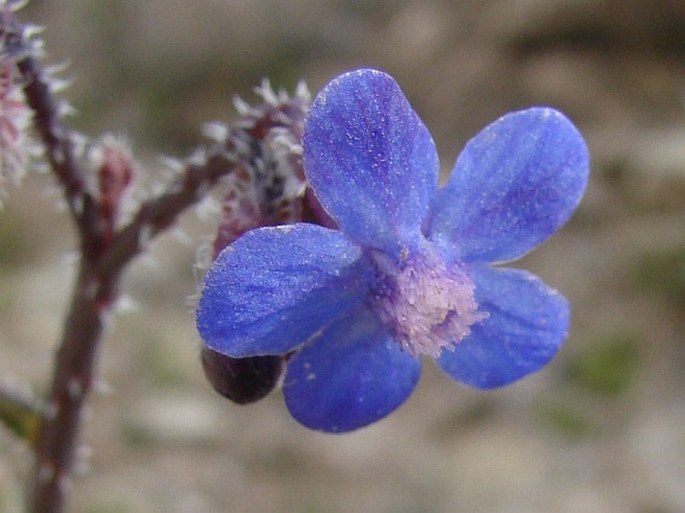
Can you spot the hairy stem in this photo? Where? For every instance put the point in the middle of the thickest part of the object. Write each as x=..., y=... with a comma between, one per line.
x=56, y=138
x=102, y=261
x=94, y=294
x=71, y=382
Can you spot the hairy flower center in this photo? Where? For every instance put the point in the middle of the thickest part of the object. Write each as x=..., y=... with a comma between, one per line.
x=427, y=305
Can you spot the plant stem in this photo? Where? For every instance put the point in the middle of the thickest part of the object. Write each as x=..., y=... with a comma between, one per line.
x=55, y=137
x=72, y=378
x=96, y=288
x=94, y=294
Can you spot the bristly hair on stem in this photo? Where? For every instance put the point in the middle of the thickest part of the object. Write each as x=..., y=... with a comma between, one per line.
x=267, y=188
x=14, y=115
x=106, y=247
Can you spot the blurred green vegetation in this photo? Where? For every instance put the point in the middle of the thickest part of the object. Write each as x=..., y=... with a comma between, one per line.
x=608, y=367
x=661, y=273
x=565, y=418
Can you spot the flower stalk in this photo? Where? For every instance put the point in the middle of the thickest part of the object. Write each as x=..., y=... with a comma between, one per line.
x=102, y=262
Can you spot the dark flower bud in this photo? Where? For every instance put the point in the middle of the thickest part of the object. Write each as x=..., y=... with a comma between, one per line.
x=242, y=380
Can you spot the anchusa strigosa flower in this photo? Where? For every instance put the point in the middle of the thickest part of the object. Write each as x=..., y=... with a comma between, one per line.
x=408, y=272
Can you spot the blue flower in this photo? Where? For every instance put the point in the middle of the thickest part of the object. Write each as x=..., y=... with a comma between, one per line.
x=409, y=271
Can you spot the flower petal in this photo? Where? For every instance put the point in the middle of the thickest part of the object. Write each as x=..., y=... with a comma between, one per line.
x=514, y=185
x=371, y=161
x=527, y=323
x=275, y=287
x=353, y=375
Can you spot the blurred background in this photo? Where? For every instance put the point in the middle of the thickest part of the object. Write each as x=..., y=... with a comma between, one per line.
x=599, y=430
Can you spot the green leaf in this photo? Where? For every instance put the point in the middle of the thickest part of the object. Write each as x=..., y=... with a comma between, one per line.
x=19, y=416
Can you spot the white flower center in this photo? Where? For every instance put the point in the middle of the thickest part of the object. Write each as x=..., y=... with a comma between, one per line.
x=427, y=305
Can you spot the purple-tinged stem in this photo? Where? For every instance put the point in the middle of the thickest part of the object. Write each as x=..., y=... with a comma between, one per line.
x=102, y=262
x=94, y=293
x=56, y=138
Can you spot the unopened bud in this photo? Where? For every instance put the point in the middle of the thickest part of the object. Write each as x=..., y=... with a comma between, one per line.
x=115, y=169
x=242, y=380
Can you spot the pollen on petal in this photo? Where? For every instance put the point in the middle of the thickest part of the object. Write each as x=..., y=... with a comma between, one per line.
x=427, y=305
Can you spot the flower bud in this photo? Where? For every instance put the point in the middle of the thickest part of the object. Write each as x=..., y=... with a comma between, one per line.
x=115, y=172
x=242, y=380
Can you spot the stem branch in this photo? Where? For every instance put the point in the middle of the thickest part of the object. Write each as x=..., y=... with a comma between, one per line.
x=102, y=261
x=101, y=264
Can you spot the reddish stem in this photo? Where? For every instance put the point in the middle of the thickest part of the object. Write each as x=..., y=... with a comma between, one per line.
x=55, y=136
x=102, y=262
x=94, y=293
x=72, y=378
